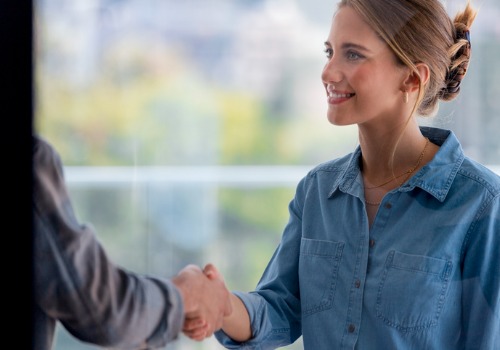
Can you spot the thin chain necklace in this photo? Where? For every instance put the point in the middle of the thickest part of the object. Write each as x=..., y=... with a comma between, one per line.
x=407, y=173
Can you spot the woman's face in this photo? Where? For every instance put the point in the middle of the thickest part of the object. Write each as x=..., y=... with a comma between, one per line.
x=362, y=79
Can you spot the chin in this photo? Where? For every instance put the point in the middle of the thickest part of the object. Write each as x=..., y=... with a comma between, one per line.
x=335, y=120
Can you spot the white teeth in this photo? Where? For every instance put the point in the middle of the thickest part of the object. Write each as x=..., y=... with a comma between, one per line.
x=336, y=95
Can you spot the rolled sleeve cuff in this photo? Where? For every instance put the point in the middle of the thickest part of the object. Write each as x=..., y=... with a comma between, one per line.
x=259, y=323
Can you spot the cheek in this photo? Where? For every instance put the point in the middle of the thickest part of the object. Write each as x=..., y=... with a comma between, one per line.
x=361, y=78
x=373, y=83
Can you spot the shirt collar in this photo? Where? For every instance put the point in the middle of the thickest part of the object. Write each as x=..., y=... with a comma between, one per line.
x=435, y=177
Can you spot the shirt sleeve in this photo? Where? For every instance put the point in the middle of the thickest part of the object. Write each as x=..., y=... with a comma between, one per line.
x=481, y=280
x=76, y=283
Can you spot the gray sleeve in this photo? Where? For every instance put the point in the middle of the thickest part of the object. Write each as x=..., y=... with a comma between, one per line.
x=76, y=283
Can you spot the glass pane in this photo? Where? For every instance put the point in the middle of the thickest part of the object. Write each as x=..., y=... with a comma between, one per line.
x=184, y=126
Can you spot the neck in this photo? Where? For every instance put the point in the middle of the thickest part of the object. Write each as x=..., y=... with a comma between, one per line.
x=387, y=157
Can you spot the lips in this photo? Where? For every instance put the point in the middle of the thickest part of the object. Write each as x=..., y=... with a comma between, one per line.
x=336, y=96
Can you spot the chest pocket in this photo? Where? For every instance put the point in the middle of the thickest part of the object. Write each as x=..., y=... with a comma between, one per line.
x=412, y=291
x=318, y=273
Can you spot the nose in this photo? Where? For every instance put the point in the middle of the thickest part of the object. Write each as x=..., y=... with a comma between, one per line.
x=332, y=72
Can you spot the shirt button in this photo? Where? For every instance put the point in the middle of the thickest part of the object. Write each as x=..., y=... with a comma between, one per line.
x=372, y=243
x=351, y=328
x=388, y=206
x=357, y=284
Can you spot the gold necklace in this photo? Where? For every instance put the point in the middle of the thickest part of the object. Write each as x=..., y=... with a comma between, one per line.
x=407, y=173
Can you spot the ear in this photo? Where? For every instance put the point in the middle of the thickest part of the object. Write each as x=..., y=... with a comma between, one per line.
x=422, y=74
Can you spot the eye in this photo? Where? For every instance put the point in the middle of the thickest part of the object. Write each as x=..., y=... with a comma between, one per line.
x=329, y=52
x=353, y=55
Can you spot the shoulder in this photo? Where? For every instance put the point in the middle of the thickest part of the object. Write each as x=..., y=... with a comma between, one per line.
x=48, y=184
x=480, y=175
x=42, y=150
x=45, y=155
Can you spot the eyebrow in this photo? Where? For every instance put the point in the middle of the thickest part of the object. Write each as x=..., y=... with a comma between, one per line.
x=350, y=46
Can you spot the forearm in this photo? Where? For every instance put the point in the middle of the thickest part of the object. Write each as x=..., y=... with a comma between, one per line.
x=99, y=302
x=76, y=283
x=237, y=324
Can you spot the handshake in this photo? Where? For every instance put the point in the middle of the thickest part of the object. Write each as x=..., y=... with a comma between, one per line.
x=206, y=300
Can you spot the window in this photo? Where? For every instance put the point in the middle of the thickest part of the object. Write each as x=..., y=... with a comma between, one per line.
x=184, y=126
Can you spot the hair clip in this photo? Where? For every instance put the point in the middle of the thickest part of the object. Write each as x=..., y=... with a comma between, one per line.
x=464, y=35
x=467, y=36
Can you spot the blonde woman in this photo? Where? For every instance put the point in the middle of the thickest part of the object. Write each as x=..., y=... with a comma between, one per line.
x=397, y=245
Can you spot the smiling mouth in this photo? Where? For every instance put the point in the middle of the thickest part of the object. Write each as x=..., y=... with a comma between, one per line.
x=336, y=95
x=335, y=98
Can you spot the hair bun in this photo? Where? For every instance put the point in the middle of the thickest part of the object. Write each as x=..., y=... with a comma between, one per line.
x=459, y=63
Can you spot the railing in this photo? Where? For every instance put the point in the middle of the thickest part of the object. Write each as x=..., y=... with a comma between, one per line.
x=227, y=176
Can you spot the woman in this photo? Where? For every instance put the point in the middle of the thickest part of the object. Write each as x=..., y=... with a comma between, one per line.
x=397, y=245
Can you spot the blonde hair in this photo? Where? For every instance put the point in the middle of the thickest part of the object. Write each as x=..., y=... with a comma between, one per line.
x=420, y=31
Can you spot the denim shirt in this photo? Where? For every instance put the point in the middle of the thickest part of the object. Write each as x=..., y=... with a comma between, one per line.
x=426, y=275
